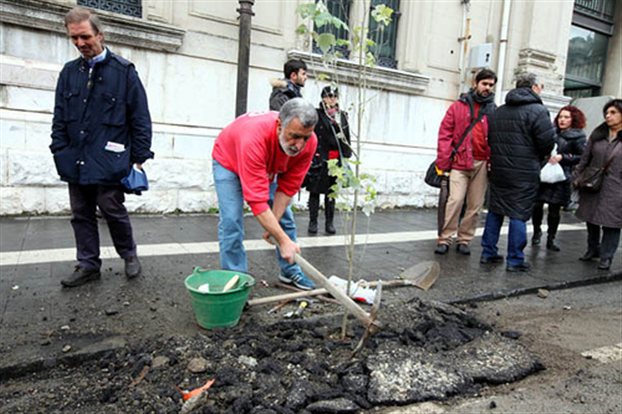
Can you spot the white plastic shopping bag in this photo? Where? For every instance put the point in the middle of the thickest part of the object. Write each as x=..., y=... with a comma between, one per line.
x=552, y=173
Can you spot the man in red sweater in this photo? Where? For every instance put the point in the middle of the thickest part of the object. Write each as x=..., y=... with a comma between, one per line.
x=262, y=158
x=466, y=159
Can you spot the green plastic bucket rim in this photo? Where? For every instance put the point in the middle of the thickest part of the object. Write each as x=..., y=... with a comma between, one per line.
x=244, y=285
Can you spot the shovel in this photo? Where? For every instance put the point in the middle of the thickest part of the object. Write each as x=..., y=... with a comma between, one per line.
x=422, y=275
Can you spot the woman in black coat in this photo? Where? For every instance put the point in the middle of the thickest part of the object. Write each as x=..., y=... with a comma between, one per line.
x=571, y=142
x=333, y=134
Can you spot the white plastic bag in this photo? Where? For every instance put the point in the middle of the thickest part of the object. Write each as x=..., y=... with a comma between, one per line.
x=552, y=173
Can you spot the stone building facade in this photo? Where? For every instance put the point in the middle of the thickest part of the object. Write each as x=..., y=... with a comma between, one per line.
x=186, y=54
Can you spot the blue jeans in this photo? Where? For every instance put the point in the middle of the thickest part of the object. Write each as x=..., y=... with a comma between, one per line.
x=517, y=238
x=231, y=223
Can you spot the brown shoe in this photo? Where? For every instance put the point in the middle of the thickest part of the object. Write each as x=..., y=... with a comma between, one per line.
x=132, y=267
x=80, y=276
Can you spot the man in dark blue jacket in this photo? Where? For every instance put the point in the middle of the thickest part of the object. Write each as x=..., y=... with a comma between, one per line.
x=521, y=136
x=101, y=128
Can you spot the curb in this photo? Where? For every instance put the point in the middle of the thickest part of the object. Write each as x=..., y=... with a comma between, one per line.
x=488, y=297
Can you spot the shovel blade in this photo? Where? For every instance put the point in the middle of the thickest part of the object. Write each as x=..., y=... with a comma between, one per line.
x=422, y=275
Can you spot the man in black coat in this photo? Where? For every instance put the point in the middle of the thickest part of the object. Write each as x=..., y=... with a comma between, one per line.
x=521, y=135
x=101, y=127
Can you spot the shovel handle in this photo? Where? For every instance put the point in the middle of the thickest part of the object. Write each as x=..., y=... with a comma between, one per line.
x=345, y=300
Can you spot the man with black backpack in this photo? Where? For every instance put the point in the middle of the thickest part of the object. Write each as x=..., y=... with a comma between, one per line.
x=463, y=151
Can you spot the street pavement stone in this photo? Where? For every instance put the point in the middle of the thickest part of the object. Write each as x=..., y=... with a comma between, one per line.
x=33, y=305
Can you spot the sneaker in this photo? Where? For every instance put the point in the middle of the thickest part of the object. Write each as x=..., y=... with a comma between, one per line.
x=441, y=249
x=80, y=276
x=463, y=249
x=300, y=280
x=132, y=267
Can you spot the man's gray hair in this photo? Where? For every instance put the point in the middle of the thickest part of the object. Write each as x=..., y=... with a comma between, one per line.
x=80, y=14
x=298, y=108
x=527, y=80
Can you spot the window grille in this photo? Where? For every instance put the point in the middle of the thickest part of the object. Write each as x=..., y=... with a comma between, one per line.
x=341, y=10
x=127, y=7
x=384, y=37
x=600, y=9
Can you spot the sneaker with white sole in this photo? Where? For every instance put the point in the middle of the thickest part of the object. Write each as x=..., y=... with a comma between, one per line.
x=300, y=280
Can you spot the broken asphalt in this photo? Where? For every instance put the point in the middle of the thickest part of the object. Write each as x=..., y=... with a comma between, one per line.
x=36, y=252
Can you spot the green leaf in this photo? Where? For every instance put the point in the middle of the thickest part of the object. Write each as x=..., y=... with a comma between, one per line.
x=382, y=14
x=325, y=41
x=306, y=10
x=343, y=42
x=302, y=29
x=323, y=77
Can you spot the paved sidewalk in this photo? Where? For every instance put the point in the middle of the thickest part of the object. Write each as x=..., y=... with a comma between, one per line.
x=39, y=318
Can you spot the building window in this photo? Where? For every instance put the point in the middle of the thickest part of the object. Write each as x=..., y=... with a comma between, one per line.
x=384, y=37
x=128, y=7
x=592, y=26
x=341, y=10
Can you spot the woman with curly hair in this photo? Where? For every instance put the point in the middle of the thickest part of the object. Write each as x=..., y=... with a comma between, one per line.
x=571, y=142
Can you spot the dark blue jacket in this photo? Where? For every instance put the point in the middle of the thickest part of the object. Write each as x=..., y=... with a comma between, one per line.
x=95, y=112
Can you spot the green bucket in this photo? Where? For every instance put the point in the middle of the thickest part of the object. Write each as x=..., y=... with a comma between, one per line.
x=214, y=308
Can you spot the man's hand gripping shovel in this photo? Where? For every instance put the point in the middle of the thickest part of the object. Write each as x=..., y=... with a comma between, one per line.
x=367, y=319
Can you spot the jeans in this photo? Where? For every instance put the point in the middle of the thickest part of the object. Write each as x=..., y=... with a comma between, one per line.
x=517, y=238
x=231, y=223
x=610, y=240
x=83, y=200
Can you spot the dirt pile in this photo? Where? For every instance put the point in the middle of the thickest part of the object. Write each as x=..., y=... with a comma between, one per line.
x=427, y=350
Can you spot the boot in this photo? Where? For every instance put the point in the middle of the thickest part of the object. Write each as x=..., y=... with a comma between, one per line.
x=550, y=244
x=329, y=205
x=314, y=206
x=535, y=239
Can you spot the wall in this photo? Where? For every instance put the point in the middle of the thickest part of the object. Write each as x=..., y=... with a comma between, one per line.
x=186, y=53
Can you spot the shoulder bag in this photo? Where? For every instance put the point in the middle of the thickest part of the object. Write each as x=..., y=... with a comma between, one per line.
x=591, y=178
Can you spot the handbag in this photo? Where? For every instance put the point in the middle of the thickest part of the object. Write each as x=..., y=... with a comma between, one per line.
x=432, y=178
x=552, y=173
x=591, y=178
x=136, y=181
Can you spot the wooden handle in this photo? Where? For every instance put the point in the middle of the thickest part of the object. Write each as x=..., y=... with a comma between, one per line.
x=231, y=283
x=344, y=299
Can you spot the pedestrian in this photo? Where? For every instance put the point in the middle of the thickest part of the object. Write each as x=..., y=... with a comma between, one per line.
x=101, y=127
x=602, y=210
x=295, y=72
x=463, y=151
x=521, y=136
x=333, y=135
x=571, y=141
x=262, y=158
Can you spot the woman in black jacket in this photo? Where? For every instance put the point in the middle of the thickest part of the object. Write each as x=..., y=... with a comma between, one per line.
x=571, y=142
x=333, y=134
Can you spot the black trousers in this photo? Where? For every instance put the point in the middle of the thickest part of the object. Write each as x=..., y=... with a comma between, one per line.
x=109, y=198
x=314, y=207
x=609, y=243
x=552, y=218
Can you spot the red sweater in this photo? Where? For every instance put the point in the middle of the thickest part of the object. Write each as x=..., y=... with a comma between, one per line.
x=249, y=147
